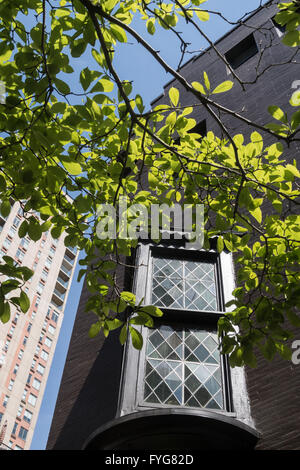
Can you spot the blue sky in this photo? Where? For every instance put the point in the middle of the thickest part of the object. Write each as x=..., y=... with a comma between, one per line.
x=149, y=79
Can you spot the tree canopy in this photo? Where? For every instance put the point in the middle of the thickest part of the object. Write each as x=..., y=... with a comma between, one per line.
x=68, y=129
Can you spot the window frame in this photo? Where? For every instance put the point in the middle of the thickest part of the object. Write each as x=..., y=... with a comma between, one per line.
x=238, y=55
x=133, y=360
x=181, y=318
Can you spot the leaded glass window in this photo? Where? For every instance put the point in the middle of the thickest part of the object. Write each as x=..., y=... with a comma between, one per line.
x=184, y=284
x=183, y=368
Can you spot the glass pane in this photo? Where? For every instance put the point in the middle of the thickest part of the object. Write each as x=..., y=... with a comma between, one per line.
x=192, y=379
x=184, y=284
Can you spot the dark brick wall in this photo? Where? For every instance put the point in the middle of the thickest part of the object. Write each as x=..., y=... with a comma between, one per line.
x=274, y=392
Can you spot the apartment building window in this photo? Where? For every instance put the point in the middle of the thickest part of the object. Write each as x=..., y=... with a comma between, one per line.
x=48, y=342
x=51, y=329
x=18, y=448
x=54, y=316
x=40, y=288
x=32, y=399
x=16, y=317
x=29, y=378
x=52, y=250
x=5, y=401
x=36, y=384
x=14, y=429
x=48, y=262
x=1, y=416
x=242, y=52
x=20, y=410
x=33, y=364
x=37, y=301
x=20, y=355
x=44, y=274
x=29, y=327
x=7, y=343
x=12, y=232
x=11, y=330
x=11, y=384
x=24, y=395
x=16, y=368
x=39, y=254
x=27, y=416
x=23, y=433
x=16, y=222
x=40, y=369
x=44, y=355
x=37, y=349
x=20, y=254
x=7, y=243
x=25, y=340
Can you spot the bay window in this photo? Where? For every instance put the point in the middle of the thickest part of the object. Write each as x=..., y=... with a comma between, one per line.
x=180, y=365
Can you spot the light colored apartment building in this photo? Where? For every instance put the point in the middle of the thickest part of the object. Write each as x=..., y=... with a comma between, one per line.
x=27, y=341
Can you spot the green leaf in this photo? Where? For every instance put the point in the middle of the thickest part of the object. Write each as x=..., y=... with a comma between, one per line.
x=34, y=230
x=257, y=214
x=137, y=339
x=118, y=33
x=74, y=168
x=62, y=86
x=94, y=329
x=206, y=81
x=292, y=39
x=128, y=297
x=2, y=183
x=277, y=113
x=295, y=98
x=5, y=208
x=199, y=87
x=249, y=357
x=123, y=334
x=139, y=103
x=202, y=15
x=223, y=87
x=23, y=229
x=174, y=96
x=220, y=244
x=4, y=312
x=151, y=26
x=24, y=302
x=152, y=310
x=78, y=48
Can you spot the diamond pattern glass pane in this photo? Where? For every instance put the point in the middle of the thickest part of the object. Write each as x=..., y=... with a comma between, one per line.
x=184, y=284
x=183, y=368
